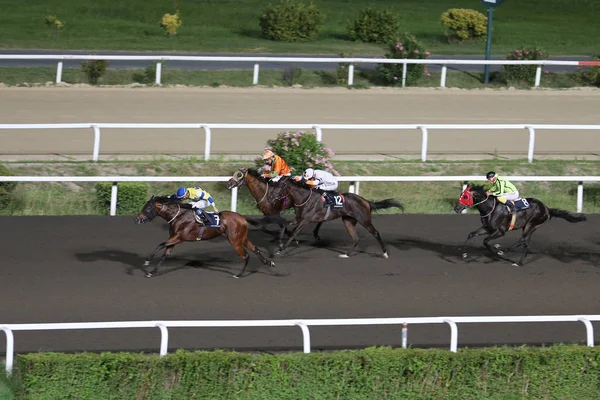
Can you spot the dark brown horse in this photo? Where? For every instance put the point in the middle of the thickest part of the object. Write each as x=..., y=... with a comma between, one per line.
x=271, y=197
x=497, y=220
x=310, y=207
x=184, y=228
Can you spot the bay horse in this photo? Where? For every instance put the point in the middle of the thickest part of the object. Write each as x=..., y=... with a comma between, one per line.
x=310, y=207
x=271, y=197
x=497, y=219
x=184, y=228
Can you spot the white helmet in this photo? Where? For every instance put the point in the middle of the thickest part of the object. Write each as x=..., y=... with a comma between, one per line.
x=309, y=173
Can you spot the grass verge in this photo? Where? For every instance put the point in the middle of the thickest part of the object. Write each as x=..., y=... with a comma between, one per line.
x=67, y=198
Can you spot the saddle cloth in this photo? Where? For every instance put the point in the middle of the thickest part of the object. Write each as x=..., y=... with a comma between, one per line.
x=334, y=200
x=519, y=204
x=208, y=218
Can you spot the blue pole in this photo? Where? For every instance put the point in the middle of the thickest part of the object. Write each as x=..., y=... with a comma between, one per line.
x=488, y=45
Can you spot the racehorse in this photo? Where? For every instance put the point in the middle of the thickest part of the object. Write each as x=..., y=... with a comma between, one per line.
x=352, y=208
x=497, y=219
x=271, y=197
x=184, y=228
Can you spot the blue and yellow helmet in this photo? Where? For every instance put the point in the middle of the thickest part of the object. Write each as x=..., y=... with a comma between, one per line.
x=181, y=192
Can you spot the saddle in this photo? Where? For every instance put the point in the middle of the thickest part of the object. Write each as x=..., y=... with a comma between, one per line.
x=517, y=205
x=333, y=200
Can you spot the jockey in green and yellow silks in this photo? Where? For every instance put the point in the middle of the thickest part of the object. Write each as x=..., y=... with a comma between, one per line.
x=502, y=188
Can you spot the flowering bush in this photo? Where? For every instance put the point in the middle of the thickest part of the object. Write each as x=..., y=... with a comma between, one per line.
x=170, y=23
x=94, y=69
x=522, y=73
x=300, y=150
x=404, y=47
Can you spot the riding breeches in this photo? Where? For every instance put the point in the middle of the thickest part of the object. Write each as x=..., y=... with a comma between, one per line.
x=200, y=204
x=508, y=196
x=328, y=186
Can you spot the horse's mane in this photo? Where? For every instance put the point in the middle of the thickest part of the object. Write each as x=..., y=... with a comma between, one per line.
x=301, y=184
x=254, y=173
x=477, y=188
x=171, y=200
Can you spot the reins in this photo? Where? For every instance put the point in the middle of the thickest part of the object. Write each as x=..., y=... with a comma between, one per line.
x=483, y=201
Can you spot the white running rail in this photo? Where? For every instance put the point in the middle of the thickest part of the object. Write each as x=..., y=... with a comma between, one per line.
x=303, y=324
x=208, y=127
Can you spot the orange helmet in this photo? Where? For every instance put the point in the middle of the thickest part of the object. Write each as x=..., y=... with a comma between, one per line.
x=268, y=154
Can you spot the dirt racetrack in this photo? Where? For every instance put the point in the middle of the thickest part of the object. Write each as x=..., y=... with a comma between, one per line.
x=79, y=269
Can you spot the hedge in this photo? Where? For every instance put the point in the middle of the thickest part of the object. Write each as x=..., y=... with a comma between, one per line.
x=131, y=197
x=557, y=372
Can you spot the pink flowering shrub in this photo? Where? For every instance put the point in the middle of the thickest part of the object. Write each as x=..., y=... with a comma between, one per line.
x=405, y=47
x=300, y=150
x=522, y=73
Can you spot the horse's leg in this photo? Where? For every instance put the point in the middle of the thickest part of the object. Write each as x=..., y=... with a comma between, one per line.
x=481, y=231
x=160, y=246
x=494, y=235
x=297, y=230
x=527, y=233
x=168, y=245
x=350, y=224
x=316, y=231
x=371, y=228
x=256, y=251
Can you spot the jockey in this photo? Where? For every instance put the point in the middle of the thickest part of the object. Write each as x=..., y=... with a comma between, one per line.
x=323, y=181
x=501, y=188
x=199, y=197
x=278, y=165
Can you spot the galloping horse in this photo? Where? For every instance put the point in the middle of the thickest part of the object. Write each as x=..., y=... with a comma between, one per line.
x=271, y=198
x=309, y=207
x=183, y=228
x=497, y=219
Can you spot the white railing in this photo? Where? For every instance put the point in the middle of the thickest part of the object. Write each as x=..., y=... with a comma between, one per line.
x=353, y=188
x=207, y=127
x=303, y=324
x=256, y=60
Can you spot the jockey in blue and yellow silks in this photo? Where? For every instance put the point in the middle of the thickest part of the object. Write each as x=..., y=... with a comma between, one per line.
x=199, y=197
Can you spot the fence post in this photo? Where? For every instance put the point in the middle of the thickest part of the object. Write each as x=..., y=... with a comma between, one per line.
x=113, y=199
x=404, y=335
x=96, y=151
x=350, y=74
x=157, y=79
x=234, y=191
x=305, y=336
x=164, y=339
x=10, y=349
x=404, y=68
x=589, y=331
x=255, y=76
x=59, y=69
x=538, y=75
x=453, y=335
x=444, y=72
x=351, y=187
x=424, y=143
x=579, y=196
x=207, y=140
x=531, y=143
x=357, y=187
x=319, y=133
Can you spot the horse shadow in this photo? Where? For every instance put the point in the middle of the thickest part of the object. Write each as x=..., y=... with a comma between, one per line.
x=134, y=261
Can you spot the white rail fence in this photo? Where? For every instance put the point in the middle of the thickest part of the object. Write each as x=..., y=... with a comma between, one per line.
x=208, y=127
x=159, y=59
x=303, y=324
x=353, y=188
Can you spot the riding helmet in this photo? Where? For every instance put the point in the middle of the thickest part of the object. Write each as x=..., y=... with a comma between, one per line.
x=490, y=174
x=181, y=192
x=309, y=173
x=268, y=154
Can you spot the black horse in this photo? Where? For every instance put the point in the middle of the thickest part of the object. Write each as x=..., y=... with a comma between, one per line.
x=310, y=206
x=497, y=219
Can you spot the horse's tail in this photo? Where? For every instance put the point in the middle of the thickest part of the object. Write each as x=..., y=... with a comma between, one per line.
x=555, y=212
x=382, y=204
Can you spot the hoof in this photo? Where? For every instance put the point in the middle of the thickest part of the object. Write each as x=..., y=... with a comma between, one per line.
x=149, y=275
x=465, y=255
x=515, y=264
x=272, y=264
x=236, y=276
x=146, y=263
x=496, y=246
x=385, y=255
x=500, y=253
x=344, y=256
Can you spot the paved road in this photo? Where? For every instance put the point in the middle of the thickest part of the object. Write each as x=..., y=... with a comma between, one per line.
x=297, y=106
x=208, y=65
x=69, y=269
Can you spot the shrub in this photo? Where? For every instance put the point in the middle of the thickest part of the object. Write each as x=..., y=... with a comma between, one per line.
x=291, y=21
x=147, y=77
x=291, y=75
x=405, y=47
x=522, y=73
x=94, y=69
x=55, y=23
x=376, y=26
x=462, y=24
x=301, y=150
x=589, y=75
x=131, y=197
x=170, y=23
x=6, y=188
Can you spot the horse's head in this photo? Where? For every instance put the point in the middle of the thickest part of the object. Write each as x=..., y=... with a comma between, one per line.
x=148, y=213
x=238, y=178
x=468, y=197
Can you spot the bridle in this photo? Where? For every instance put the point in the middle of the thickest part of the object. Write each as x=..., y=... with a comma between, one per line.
x=303, y=204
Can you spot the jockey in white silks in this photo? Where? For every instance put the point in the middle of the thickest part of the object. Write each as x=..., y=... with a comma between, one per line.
x=323, y=181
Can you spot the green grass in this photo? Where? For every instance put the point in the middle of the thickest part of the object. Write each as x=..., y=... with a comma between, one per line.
x=426, y=198
x=270, y=78
x=562, y=27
